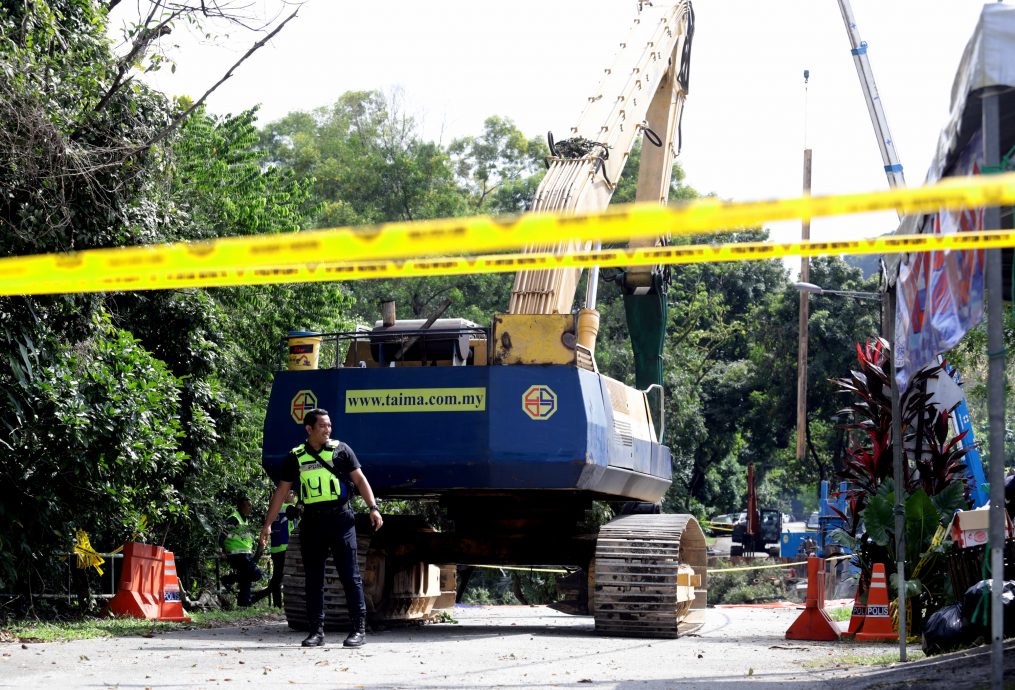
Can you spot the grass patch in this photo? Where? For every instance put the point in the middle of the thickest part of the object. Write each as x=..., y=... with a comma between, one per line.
x=873, y=659
x=843, y=613
x=88, y=628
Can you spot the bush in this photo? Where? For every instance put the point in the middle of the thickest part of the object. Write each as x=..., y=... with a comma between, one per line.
x=744, y=586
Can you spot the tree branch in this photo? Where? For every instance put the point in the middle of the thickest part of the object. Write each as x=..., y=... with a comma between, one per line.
x=175, y=124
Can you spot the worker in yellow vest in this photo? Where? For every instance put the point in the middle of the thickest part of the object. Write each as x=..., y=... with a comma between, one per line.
x=237, y=542
x=326, y=471
x=281, y=527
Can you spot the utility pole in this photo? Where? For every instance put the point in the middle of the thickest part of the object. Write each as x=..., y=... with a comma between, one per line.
x=805, y=274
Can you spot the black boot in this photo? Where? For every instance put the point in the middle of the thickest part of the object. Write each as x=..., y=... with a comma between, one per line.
x=358, y=636
x=315, y=638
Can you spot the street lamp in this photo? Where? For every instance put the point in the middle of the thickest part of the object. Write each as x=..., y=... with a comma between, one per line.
x=818, y=290
x=888, y=330
x=806, y=289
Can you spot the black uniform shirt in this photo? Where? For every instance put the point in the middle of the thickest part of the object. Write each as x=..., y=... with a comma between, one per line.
x=342, y=457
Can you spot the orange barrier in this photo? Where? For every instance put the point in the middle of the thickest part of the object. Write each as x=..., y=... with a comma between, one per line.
x=877, y=625
x=814, y=623
x=859, y=612
x=140, y=582
x=172, y=597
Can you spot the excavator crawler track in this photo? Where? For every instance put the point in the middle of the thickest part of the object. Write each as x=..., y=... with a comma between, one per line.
x=336, y=617
x=650, y=576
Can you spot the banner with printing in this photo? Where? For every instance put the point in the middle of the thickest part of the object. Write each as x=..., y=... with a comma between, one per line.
x=940, y=294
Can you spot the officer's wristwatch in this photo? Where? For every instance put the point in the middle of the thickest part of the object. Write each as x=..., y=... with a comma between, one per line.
x=374, y=507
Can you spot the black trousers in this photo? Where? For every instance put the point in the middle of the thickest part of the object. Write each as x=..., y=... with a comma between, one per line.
x=245, y=573
x=277, y=572
x=323, y=532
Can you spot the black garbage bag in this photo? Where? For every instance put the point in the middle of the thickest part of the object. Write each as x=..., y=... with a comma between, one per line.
x=946, y=630
x=976, y=607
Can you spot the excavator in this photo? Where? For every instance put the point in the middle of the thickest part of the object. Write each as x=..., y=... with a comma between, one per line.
x=510, y=433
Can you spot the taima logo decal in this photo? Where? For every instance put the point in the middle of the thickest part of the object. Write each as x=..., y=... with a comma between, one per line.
x=539, y=402
x=303, y=402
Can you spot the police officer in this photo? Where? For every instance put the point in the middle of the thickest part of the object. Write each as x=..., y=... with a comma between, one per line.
x=281, y=527
x=237, y=542
x=326, y=471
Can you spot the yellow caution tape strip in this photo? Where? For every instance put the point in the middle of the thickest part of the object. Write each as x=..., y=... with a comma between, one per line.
x=506, y=263
x=151, y=267
x=88, y=557
x=528, y=570
x=768, y=567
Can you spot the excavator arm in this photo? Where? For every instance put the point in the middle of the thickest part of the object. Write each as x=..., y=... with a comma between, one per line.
x=642, y=91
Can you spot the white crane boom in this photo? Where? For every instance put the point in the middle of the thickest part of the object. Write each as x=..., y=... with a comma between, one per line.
x=893, y=166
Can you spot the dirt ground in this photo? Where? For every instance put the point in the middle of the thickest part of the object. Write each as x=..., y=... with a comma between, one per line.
x=488, y=647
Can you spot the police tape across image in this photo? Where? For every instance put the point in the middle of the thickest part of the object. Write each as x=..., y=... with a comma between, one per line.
x=384, y=251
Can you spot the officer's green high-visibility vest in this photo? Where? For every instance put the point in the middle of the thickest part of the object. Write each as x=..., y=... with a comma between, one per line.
x=318, y=484
x=239, y=538
x=281, y=529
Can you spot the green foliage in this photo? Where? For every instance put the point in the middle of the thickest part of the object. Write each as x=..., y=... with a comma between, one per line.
x=496, y=586
x=103, y=438
x=499, y=169
x=367, y=161
x=743, y=586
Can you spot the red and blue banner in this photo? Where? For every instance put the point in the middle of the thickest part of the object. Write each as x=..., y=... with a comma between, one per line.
x=940, y=294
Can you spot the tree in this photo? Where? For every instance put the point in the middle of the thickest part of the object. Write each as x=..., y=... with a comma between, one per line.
x=500, y=169
x=367, y=161
x=117, y=409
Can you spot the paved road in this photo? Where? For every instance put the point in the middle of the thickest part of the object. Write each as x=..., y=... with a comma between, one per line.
x=512, y=647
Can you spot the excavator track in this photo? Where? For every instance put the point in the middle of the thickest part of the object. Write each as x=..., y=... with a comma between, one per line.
x=294, y=599
x=650, y=576
x=393, y=592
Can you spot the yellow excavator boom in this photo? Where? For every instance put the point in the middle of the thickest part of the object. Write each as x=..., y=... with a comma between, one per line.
x=642, y=91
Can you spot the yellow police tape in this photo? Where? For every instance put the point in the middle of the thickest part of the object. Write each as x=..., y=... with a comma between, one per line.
x=506, y=263
x=769, y=567
x=529, y=570
x=88, y=557
x=710, y=570
x=362, y=252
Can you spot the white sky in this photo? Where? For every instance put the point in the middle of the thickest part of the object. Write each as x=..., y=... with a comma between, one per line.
x=458, y=62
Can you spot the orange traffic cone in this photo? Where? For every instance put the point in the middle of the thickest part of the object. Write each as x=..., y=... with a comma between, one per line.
x=814, y=623
x=859, y=612
x=172, y=597
x=877, y=625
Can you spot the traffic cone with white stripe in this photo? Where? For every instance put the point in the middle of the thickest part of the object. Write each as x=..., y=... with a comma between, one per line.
x=172, y=594
x=877, y=624
x=859, y=612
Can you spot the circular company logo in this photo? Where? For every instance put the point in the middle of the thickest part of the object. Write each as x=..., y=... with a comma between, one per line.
x=539, y=402
x=301, y=403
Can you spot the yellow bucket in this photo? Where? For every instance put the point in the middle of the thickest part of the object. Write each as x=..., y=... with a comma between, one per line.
x=304, y=349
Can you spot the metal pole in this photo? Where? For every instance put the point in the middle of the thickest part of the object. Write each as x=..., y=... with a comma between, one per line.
x=801, y=380
x=995, y=387
x=592, y=288
x=899, y=478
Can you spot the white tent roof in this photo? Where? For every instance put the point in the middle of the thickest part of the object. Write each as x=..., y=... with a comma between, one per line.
x=988, y=60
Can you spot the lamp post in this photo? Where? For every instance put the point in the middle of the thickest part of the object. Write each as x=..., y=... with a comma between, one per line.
x=818, y=290
x=888, y=330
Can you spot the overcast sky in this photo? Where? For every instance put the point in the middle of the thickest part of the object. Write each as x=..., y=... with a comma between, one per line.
x=457, y=62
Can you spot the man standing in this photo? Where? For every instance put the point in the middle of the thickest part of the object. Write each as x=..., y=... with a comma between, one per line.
x=237, y=542
x=326, y=471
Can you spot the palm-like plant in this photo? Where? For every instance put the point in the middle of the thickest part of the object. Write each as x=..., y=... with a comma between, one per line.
x=932, y=469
